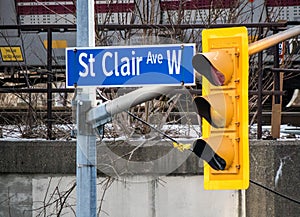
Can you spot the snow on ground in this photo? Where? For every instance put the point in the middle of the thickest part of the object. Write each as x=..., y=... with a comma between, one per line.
x=287, y=132
x=14, y=132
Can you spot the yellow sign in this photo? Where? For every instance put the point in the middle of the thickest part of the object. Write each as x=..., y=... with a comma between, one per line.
x=56, y=43
x=11, y=54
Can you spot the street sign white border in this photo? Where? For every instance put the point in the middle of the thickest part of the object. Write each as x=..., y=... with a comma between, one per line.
x=128, y=47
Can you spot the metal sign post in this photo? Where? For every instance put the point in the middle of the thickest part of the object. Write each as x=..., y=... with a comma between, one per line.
x=86, y=172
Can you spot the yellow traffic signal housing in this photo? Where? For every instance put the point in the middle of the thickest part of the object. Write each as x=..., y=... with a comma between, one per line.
x=224, y=108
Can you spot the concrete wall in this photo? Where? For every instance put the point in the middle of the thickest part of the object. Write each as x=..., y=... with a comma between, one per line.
x=275, y=164
x=38, y=195
x=37, y=173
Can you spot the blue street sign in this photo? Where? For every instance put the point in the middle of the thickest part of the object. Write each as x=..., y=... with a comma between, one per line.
x=169, y=64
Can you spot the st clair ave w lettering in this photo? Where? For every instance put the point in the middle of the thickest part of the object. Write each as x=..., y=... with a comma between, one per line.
x=113, y=64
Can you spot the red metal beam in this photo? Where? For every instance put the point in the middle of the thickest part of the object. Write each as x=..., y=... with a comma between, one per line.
x=196, y=4
x=70, y=8
x=278, y=3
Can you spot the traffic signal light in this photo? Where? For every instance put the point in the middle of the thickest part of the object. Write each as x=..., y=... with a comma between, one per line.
x=224, y=108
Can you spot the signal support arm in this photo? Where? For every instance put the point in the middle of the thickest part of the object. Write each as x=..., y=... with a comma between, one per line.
x=103, y=113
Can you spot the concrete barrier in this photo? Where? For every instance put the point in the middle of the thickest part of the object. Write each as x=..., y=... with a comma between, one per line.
x=275, y=164
x=32, y=172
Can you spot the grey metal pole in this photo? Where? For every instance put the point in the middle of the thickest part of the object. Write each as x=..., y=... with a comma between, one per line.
x=86, y=172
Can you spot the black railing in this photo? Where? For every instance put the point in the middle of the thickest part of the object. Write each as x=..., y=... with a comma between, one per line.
x=275, y=26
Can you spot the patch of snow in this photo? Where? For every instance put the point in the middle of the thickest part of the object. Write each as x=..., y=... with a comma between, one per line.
x=287, y=132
